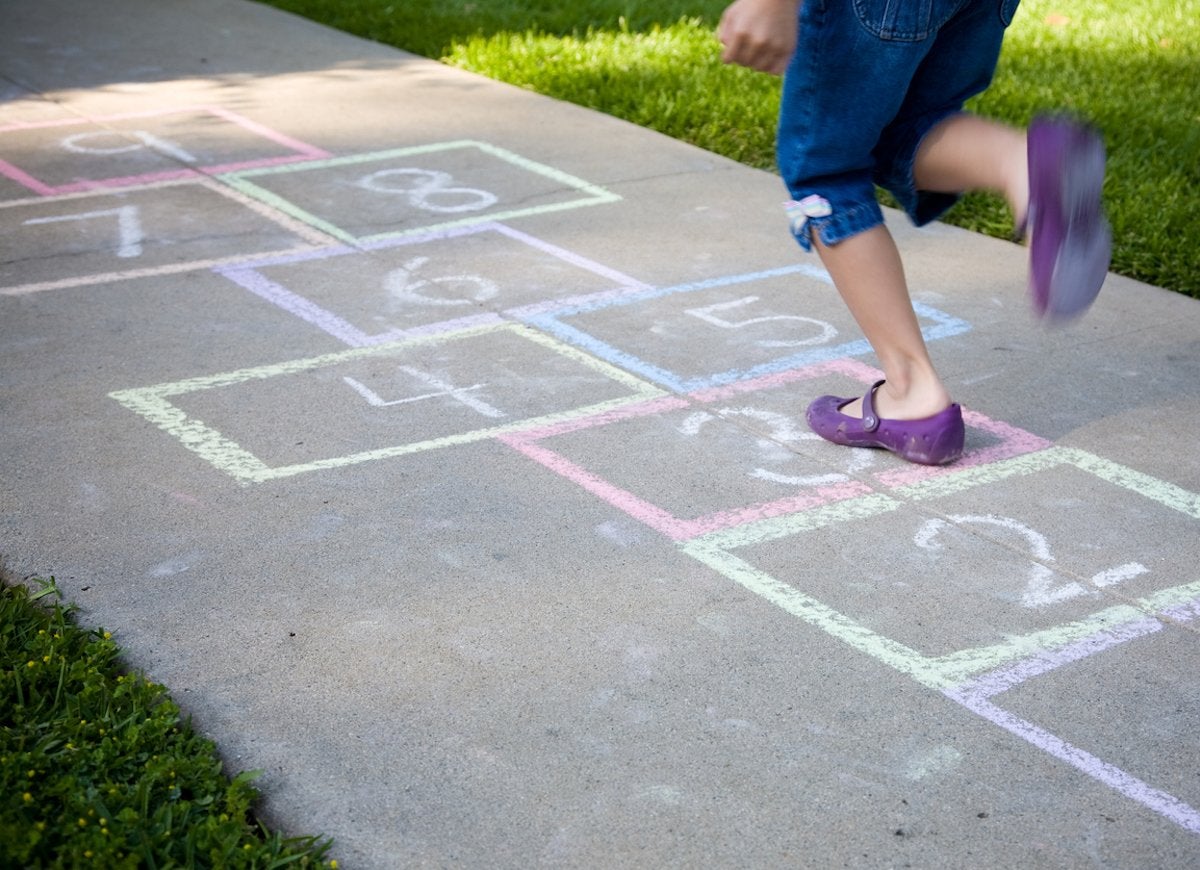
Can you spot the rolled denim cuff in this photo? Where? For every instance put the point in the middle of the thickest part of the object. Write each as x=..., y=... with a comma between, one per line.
x=815, y=214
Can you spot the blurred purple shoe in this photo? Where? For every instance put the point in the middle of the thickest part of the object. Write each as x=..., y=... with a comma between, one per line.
x=1070, y=244
x=935, y=440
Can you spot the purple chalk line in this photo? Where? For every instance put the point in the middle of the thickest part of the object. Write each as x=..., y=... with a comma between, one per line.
x=1003, y=679
x=975, y=695
x=246, y=274
x=1131, y=787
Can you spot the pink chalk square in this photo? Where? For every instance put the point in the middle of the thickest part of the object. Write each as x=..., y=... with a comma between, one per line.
x=987, y=441
x=767, y=479
x=63, y=156
x=764, y=450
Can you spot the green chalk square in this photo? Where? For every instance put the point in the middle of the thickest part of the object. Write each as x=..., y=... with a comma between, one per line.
x=224, y=453
x=403, y=191
x=883, y=512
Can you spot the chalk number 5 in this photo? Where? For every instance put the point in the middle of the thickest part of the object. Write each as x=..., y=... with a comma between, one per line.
x=715, y=314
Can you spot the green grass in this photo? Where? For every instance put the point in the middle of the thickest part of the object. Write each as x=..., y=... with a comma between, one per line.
x=1132, y=69
x=98, y=770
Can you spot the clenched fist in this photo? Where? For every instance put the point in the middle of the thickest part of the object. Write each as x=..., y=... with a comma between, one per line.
x=759, y=34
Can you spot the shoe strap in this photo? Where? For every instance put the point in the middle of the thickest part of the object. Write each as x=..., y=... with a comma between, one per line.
x=870, y=420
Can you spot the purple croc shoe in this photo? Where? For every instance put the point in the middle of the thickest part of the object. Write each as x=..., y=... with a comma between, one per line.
x=935, y=440
x=1070, y=245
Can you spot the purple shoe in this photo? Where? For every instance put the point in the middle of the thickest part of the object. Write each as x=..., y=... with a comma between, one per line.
x=1070, y=247
x=935, y=440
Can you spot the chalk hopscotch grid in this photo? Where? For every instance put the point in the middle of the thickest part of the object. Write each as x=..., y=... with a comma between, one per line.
x=299, y=151
x=153, y=404
x=309, y=239
x=590, y=194
x=249, y=275
x=530, y=442
x=942, y=325
x=1041, y=651
x=973, y=677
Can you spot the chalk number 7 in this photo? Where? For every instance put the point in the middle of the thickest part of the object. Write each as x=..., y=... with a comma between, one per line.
x=129, y=226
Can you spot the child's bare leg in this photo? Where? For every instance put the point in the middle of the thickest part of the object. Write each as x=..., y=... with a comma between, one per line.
x=867, y=272
x=966, y=152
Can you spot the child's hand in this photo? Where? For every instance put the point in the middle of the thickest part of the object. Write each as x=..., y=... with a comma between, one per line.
x=759, y=34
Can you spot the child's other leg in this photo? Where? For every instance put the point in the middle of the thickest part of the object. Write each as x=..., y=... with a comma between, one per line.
x=965, y=152
x=869, y=276
x=1052, y=176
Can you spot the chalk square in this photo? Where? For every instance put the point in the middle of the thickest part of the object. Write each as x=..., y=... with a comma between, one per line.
x=772, y=462
x=407, y=191
x=62, y=156
x=440, y=281
x=750, y=325
x=787, y=394
x=92, y=238
x=933, y=585
x=1026, y=605
x=713, y=474
x=357, y=405
x=1093, y=537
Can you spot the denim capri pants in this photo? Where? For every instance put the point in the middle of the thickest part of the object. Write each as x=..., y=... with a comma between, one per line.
x=868, y=80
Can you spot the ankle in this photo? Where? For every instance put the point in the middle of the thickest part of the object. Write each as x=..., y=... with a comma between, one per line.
x=912, y=399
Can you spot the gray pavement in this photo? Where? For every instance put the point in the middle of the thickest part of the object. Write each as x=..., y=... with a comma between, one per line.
x=441, y=448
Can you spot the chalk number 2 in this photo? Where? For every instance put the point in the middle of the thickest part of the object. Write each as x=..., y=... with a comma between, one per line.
x=1040, y=591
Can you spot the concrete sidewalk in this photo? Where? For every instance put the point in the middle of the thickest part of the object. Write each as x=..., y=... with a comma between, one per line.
x=441, y=447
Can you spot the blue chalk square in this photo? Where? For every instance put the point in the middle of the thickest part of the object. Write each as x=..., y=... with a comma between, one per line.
x=724, y=330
